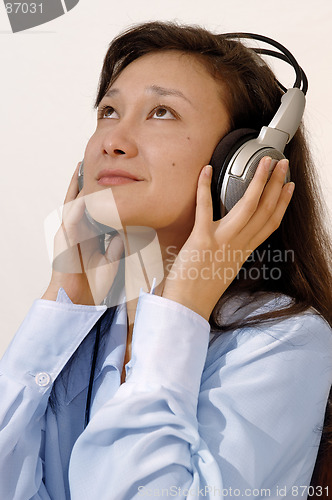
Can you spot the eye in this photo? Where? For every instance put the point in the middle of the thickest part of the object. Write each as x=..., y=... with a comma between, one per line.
x=163, y=113
x=107, y=112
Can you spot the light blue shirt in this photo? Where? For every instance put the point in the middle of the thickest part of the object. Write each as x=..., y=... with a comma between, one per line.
x=240, y=416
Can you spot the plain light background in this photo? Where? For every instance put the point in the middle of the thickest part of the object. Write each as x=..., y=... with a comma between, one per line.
x=49, y=76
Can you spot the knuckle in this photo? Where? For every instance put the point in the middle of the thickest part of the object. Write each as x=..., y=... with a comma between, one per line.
x=268, y=206
x=204, y=242
x=275, y=221
x=249, y=204
x=204, y=202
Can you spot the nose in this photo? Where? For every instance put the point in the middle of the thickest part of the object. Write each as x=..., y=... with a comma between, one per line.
x=119, y=141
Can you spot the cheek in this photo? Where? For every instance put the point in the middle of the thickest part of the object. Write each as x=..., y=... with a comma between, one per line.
x=179, y=156
x=94, y=148
x=185, y=168
x=90, y=161
x=175, y=186
x=197, y=149
x=91, y=147
x=175, y=169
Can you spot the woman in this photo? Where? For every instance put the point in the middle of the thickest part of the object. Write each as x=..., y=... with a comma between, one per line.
x=226, y=380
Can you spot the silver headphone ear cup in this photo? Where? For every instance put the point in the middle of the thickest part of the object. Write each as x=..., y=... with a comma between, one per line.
x=221, y=158
x=80, y=176
x=234, y=187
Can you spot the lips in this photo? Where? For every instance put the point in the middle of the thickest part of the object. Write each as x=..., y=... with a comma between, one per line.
x=115, y=177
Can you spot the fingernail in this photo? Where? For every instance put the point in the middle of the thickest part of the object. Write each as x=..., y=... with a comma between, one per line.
x=284, y=165
x=267, y=162
x=291, y=187
x=208, y=170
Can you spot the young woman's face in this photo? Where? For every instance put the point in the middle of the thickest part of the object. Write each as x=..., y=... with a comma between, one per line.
x=159, y=122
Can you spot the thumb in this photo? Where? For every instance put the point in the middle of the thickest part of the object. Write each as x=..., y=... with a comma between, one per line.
x=115, y=249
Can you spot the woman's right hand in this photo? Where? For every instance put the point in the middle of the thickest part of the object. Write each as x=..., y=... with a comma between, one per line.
x=79, y=266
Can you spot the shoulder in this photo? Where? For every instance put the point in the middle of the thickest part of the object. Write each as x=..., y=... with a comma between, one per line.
x=307, y=332
x=282, y=364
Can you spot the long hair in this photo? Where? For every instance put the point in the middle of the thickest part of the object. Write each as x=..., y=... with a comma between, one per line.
x=252, y=98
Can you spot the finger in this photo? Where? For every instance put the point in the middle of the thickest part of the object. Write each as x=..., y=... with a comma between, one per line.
x=268, y=200
x=101, y=271
x=276, y=217
x=204, y=208
x=73, y=186
x=93, y=257
x=244, y=209
x=272, y=190
x=73, y=210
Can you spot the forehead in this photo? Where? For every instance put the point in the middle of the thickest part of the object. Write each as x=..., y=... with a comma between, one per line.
x=174, y=69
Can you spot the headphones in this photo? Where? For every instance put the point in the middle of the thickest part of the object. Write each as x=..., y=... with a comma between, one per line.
x=237, y=155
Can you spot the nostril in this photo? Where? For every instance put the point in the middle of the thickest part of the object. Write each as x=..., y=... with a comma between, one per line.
x=119, y=152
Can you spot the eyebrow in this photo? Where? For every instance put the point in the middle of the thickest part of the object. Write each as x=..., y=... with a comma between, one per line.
x=155, y=89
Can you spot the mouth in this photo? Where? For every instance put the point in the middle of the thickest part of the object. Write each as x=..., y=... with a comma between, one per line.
x=116, y=177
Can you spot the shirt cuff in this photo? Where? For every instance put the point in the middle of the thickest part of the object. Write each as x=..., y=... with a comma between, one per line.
x=47, y=338
x=169, y=346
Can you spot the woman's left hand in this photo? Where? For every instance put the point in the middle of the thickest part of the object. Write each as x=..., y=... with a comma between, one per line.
x=215, y=250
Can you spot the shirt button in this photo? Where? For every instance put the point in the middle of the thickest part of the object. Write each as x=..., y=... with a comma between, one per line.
x=42, y=379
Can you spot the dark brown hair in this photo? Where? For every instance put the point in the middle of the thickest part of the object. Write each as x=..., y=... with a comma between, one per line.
x=252, y=98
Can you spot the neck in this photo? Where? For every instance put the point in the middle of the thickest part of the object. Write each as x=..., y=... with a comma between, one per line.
x=148, y=254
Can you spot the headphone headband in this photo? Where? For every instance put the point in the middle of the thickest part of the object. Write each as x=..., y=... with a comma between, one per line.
x=284, y=55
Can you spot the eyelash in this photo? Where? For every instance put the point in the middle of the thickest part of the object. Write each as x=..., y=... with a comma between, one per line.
x=103, y=109
x=162, y=106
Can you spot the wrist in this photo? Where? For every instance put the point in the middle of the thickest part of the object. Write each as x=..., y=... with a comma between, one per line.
x=50, y=294
x=186, y=299
x=77, y=294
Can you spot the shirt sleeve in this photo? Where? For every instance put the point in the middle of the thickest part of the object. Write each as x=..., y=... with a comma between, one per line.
x=190, y=423
x=47, y=338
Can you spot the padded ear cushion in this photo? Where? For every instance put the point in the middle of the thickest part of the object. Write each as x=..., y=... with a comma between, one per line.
x=222, y=154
